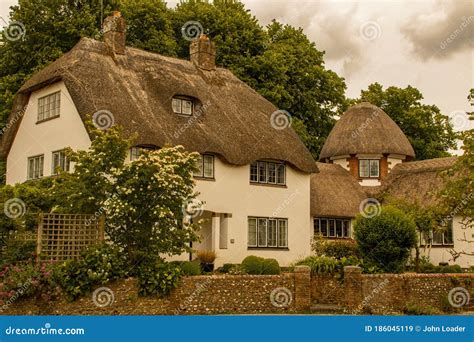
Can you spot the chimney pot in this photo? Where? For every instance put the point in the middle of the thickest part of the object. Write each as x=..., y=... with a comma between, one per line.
x=203, y=53
x=114, y=33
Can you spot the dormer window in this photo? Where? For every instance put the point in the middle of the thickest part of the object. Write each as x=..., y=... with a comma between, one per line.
x=182, y=105
x=48, y=106
x=369, y=168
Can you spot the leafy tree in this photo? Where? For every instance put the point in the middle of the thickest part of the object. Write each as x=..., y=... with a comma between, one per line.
x=146, y=213
x=236, y=32
x=280, y=62
x=427, y=129
x=149, y=26
x=458, y=194
x=386, y=240
x=291, y=74
x=85, y=189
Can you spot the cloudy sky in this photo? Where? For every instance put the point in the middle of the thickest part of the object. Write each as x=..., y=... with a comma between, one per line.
x=428, y=44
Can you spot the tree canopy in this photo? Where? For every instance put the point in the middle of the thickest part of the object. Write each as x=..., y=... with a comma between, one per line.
x=278, y=61
x=428, y=130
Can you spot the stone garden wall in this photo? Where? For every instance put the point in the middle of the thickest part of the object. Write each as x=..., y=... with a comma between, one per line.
x=245, y=294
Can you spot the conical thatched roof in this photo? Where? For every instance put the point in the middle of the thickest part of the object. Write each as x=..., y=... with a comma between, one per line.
x=418, y=181
x=137, y=87
x=366, y=129
x=334, y=192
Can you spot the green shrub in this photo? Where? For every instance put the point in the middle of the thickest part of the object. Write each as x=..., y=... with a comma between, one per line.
x=420, y=310
x=18, y=251
x=226, y=268
x=97, y=265
x=385, y=240
x=157, y=277
x=319, y=264
x=191, y=268
x=253, y=264
x=449, y=269
x=340, y=249
x=270, y=266
x=237, y=269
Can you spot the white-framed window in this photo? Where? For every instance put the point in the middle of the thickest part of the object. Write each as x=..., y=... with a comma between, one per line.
x=35, y=167
x=137, y=150
x=440, y=237
x=205, y=166
x=332, y=227
x=267, y=232
x=369, y=168
x=182, y=105
x=49, y=106
x=265, y=172
x=60, y=161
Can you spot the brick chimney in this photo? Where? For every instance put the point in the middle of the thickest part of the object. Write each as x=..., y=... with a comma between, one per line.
x=114, y=33
x=203, y=53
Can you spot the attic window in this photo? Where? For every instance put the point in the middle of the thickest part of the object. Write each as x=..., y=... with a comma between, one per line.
x=48, y=106
x=182, y=105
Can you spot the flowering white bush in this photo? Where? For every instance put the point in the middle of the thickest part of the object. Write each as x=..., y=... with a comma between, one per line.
x=146, y=212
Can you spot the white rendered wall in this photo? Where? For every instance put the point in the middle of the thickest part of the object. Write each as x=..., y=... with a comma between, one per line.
x=43, y=138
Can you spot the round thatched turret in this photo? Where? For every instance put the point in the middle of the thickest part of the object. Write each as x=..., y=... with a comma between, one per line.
x=368, y=143
x=365, y=128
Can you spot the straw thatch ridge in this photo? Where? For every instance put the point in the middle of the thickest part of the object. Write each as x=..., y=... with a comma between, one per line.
x=366, y=129
x=334, y=192
x=234, y=121
x=418, y=181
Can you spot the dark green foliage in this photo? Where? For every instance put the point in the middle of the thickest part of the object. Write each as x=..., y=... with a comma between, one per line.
x=385, y=240
x=428, y=130
x=319, y=264
x=156, y=277
x=420, y=310
x=270, y=266
x=257, y=265
x=253, y=264
x=190, y=268
x=340, y=249
x=280, y=62
x=226, y=268
x=17, y=250
x=97, y=265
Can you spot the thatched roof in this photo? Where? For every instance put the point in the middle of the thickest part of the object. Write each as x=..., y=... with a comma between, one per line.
x=366, y=129
x=137, y=88
x=418, y=181
x=334, y=192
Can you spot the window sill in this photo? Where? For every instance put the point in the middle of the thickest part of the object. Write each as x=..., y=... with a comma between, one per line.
x=48, y=119
x=438, y=246
x=268, y=248
x=284, y=186
x=336, y=238
x=205, y=178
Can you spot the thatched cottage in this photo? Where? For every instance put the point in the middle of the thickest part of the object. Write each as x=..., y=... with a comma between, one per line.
x=264, y=194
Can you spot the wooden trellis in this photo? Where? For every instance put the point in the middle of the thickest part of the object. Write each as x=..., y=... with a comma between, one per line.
x=64, y=236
